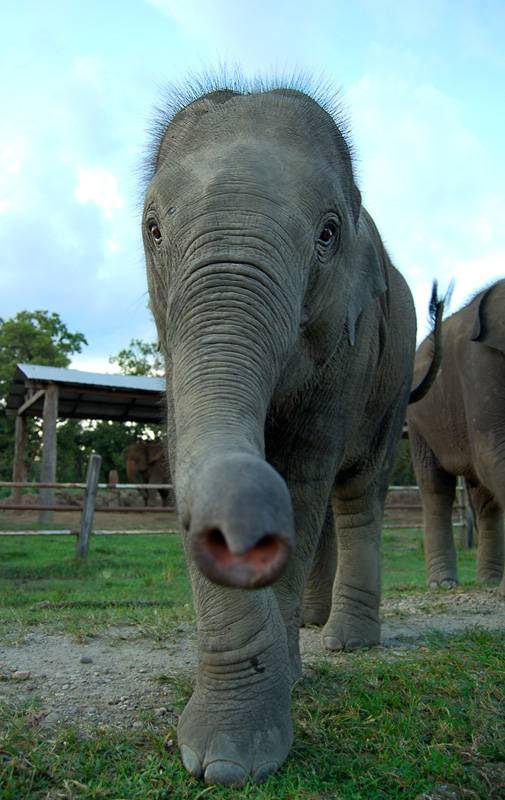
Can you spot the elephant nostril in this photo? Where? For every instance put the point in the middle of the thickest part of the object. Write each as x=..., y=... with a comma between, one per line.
x=264, y=553
x=218, y=549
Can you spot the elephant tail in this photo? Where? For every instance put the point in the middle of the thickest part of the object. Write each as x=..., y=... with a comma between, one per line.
x=436, y=312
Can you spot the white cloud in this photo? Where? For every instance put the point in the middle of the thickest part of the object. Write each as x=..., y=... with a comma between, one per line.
x=98, y=186
x=427, y=179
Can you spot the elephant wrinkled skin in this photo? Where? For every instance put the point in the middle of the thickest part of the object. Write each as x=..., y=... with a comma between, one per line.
x=289, y=340
x=459, y=429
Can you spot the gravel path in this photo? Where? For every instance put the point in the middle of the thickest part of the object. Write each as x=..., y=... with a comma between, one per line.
x=119, y=679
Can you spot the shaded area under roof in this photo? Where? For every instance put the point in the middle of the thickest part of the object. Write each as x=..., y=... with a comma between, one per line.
x=88, y=395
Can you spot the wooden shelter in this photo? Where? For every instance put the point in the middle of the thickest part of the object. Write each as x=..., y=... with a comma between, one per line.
x=56, y=393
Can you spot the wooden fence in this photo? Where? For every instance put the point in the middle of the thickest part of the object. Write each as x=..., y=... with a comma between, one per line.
x=463, y=517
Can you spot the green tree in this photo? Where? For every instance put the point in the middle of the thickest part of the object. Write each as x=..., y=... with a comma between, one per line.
x=111, y=439
x=31, y=337
x=139, y=358
x=403, y=470
x=35, y=337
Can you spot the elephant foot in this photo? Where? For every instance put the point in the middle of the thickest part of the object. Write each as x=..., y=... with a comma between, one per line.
x=489, y=576
x=443, y=577
x=442, y=580
x=351, y=627
x=227, y=740
x=314, y=614
x=446, y=583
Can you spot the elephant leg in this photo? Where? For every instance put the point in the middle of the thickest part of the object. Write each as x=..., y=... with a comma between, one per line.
x=310, y=503
x=490, y=552
x=438, y=489
x=354, y=617
x=237, y=725
x=439, y=548
x=317, y=597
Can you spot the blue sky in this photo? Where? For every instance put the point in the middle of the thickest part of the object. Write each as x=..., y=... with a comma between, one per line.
x=424, y=84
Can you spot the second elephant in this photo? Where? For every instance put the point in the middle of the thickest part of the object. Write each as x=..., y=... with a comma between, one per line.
x=459, y=429
x=146, y=462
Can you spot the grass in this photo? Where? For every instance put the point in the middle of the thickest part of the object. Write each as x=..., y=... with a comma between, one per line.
x=368, y=725
x=133, y=579
x=403, y=567
x=365, y=727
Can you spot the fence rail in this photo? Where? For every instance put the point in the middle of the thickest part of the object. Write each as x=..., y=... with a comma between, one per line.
x=91, y=486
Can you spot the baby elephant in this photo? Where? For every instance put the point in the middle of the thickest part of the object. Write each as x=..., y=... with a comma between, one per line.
x=289, y=341
x=459, y=429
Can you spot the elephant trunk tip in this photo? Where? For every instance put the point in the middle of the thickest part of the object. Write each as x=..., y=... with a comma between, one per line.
x=253, y=568
x=240, y=523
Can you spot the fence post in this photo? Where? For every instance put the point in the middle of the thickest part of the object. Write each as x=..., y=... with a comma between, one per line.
x=88, y=508
x=48, y=462
x=468, y=528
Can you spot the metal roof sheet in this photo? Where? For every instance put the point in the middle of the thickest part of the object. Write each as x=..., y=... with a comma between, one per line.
x=89, y=395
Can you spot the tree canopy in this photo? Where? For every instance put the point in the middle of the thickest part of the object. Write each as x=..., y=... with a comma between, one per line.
x=31, y=337
x=35, y=337
x=139, y=358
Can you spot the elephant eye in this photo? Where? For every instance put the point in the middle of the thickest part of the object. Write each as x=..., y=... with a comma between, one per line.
x=327, y=234
x=155, y=231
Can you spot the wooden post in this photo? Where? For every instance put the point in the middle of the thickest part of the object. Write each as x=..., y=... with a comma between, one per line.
x=18, y=468
x=470, y=525
x=88, y=509
x=48, y=466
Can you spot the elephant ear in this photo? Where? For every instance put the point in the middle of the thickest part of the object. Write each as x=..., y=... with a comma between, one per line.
x=488, y=326
x=369, y=280
x=155, y=453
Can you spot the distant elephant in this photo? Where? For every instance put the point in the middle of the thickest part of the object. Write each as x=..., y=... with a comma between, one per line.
x=459, y=429
x=146, y=462
x=289, y=342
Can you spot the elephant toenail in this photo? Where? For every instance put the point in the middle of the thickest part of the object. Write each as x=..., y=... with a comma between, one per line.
x=332, y=643
x=191, y=761
x=225, y=773
x=354, y=644
x=264, y=771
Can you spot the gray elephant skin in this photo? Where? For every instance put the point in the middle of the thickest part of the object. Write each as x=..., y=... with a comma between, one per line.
x=289, y=341
x=146, y=462
x=459, y=429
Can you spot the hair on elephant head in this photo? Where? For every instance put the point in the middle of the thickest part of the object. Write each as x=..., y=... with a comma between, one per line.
x=289, y=340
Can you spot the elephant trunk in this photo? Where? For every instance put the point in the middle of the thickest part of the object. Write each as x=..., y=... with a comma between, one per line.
x=235, y=507
x=131, y=470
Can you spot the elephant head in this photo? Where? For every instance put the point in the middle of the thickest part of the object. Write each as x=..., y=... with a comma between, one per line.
x=260, y=263
x=140, y=459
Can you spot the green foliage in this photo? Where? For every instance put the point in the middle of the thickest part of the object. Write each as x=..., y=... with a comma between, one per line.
x=140, y=358
x=110, y=440
x=40, y=337
x=403, y=470
x=31, y=337
x=35, y=337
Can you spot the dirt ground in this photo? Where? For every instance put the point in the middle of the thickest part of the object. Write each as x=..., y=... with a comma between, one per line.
x=121, y=679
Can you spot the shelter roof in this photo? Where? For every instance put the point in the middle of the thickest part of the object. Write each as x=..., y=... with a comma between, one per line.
x=88, y=395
